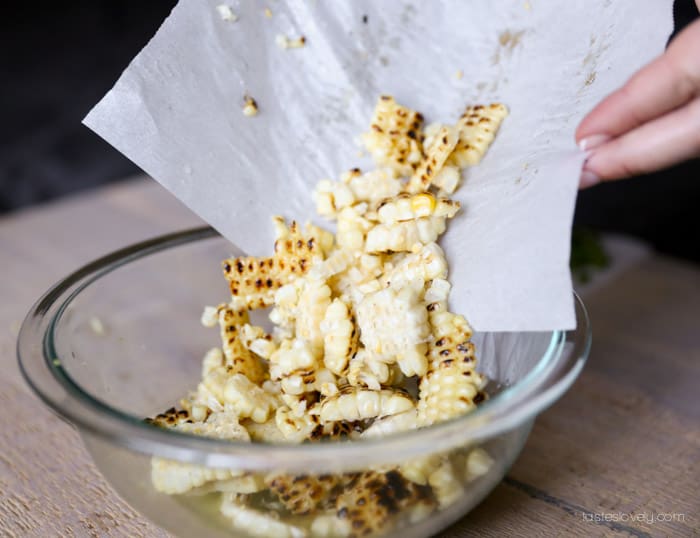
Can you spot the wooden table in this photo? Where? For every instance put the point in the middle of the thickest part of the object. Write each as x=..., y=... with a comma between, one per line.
x=620, y=448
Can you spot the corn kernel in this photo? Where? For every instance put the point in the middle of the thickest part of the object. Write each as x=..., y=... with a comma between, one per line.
x=423, y=205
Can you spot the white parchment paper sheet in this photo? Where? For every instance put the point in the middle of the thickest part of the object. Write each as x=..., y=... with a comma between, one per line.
x=176, y=112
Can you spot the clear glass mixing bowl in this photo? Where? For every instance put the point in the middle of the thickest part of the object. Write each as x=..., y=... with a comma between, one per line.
x=120, y=340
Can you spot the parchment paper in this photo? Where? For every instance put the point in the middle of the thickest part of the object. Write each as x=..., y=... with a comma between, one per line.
x=176, y=112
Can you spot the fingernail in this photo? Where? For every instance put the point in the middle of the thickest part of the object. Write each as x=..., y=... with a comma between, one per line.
x=593, y=141
x=588, y=179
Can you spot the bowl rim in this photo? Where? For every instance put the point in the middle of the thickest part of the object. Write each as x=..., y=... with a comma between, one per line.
x=41, y=367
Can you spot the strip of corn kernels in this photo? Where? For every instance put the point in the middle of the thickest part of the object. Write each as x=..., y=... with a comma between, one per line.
x=406, y=236
x=413, y=206
x=238, y=357
x=354, y=404
x=394, y=137
x=435, y=157
x=256, y=522
x=477, y=128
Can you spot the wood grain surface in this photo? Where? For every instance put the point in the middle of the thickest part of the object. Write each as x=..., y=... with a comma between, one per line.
x=618, y=455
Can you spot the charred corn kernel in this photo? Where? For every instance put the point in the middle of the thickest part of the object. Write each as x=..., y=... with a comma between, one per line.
x=307, y=379
x=419, y=512
x=430, y=133
x=371, y=264
x=285, y=42
x=347, y=176
x=438, y=291
x=245, y=484
x=292, y=357
x=207, y=399
x=300, y=404
x=325, y=205
x=314, y=300
x=447, y=180
x=396, y=209
x=357, y=281
x=210, y=316
x=445, y=484
x=374, y=186
x=250, y=106
x=171, y=418
x=226, y=13
x=339, y=336
x=425, y=265
x=253, y=281
x=214, y=358
x=328, y=388
x=298, y=370
x=366, y=373
x=294, y=428
x=213, y=384
x=336, y=430
x=352, y=228
x=271, y=387
x=477, y=128
x=299, y=381
x=393, y=326
x=238, y=358
x=419, y=469
x=329, y=525
x=404, y=236
x=249, y=333
x=332, y=196
x=369, y=286
x=436, y=155
x=408, y=420
x=174, y=477
x=324, y=239
x=283, y=315
x=263, y=347
x=394, y=138
x=304, y=494
x=256, y=523
x=448, y=329
x=230, y=318
x=326, y=382
x=267, y=432
x=221, y=425
x=412, y=360
x=255, y=339
x=354, y=404
x=374, y=501
x=478, y=463
x=248, y=400
x=337, y=262
x=423, y=204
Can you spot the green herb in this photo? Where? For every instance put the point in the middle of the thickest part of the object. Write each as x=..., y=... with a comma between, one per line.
x=587, y=253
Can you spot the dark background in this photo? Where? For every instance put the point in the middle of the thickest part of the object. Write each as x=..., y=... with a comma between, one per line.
x=58, y=59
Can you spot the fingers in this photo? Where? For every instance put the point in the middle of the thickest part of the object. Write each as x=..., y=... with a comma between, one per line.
x=665, y=84
x=652, y=122
x=657, y=144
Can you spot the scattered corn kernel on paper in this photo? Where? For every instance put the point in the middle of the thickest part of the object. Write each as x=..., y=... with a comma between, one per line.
x=239, y=117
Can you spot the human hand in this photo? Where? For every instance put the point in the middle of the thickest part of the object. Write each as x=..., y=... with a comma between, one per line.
x=650, y=123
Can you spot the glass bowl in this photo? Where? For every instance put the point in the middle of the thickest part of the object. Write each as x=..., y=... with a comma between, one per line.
x=120, y=340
